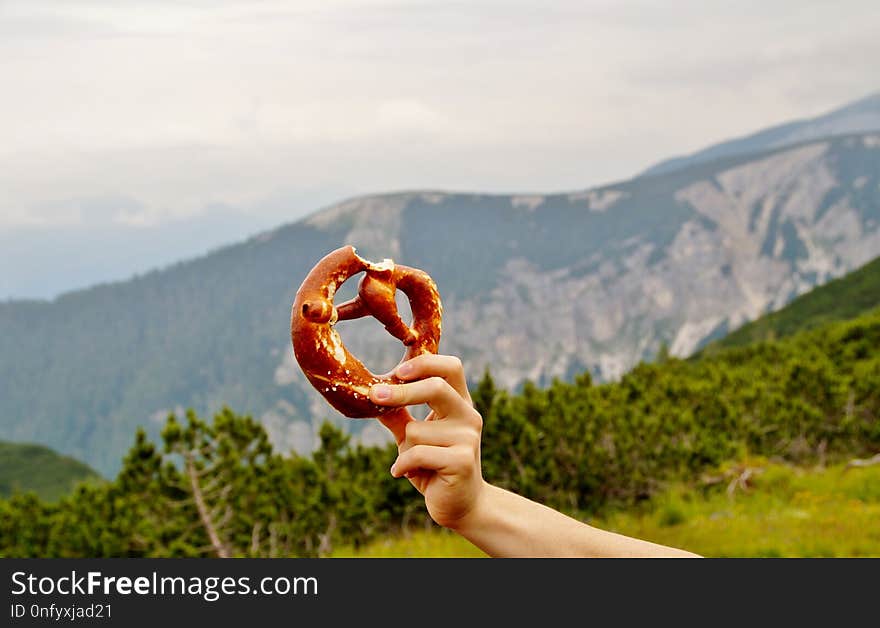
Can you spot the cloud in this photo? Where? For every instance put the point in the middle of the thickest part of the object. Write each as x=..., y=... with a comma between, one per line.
x=410, y=116
x=182, y=106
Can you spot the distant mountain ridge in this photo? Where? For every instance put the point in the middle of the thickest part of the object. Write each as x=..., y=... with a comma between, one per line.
x=857, y=117
x=533, y=286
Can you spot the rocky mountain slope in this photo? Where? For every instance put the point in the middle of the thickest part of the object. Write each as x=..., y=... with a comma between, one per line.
x=534, y=287
x=850, y=296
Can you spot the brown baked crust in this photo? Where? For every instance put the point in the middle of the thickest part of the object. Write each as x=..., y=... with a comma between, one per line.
x=334, y=372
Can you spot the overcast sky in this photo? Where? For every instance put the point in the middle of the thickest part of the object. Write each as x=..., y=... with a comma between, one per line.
x=176, y=107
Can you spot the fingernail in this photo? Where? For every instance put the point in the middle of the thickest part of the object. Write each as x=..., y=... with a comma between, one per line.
x=393, y=469
x=382, y=392
x=405, y=369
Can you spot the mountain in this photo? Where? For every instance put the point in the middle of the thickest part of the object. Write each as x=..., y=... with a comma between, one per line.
x=27, y=467
x=858, y=117
x=534, y=287
x=115, y=236
x=841, y=299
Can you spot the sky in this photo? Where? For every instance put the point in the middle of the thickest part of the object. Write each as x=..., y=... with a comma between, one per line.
x=126, y=124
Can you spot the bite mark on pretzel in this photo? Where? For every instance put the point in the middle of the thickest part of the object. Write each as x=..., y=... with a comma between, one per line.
x=324, y=359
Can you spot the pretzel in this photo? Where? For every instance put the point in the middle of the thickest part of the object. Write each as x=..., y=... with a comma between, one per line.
x=338, y=375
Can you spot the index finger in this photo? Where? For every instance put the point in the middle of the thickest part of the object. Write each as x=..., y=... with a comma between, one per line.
x=434, y=391
x=448, y=367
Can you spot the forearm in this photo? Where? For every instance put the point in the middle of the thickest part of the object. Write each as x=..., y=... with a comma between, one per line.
x=508, y=525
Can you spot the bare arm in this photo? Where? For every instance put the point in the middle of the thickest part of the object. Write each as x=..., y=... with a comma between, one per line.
x=505, y=524
x=441, y=457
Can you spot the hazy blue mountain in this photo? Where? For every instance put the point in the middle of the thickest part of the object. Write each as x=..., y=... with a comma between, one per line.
x=113, y=239
x=858, y=117
x=533, y=286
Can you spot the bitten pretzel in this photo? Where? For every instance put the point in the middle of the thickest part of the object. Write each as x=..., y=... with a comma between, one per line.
x=343, y=379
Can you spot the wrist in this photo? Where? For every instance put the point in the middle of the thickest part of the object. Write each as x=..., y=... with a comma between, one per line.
x=471, y=519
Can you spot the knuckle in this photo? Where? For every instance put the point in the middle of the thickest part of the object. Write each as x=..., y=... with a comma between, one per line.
x=405, y=459
x=462, y=458
x=435, y=386
x=460, y=438
x=417, y=455
x=412, y=431
x=455, y=363
x=473, y=438
x=475, y=419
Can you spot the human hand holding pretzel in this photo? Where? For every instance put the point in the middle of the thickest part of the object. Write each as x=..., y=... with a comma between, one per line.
x=440, y=455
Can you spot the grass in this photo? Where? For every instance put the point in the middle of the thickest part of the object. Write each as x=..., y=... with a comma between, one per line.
x=780, y=511
x=433, y=543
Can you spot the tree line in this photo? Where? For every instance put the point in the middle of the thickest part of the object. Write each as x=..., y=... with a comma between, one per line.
x=218, y=488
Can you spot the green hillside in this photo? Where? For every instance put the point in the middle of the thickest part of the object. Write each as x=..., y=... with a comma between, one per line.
x=25, y=467
x=841, y=299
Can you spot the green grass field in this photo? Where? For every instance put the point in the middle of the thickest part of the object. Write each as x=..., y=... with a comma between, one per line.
x=779, y=511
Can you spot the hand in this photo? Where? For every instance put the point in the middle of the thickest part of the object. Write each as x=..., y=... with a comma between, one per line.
x=440, y=455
